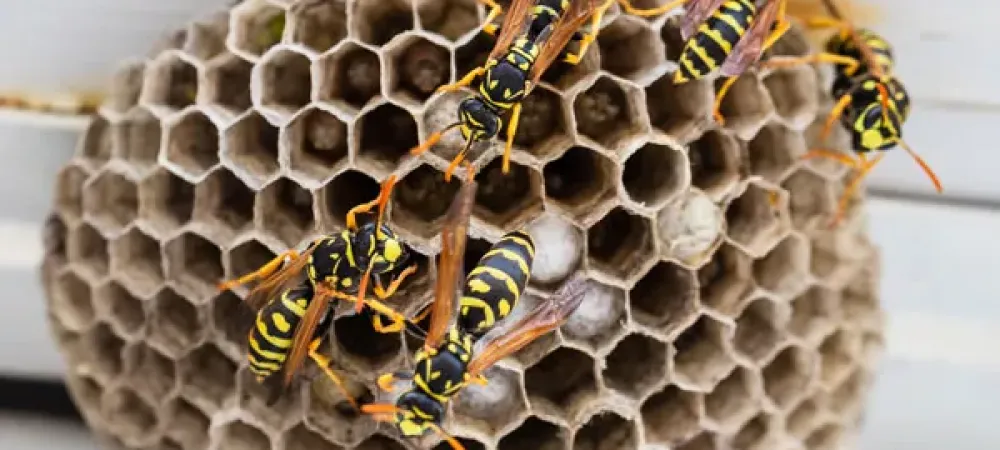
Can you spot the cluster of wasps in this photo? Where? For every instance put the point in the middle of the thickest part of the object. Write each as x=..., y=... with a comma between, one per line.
x=467, y=332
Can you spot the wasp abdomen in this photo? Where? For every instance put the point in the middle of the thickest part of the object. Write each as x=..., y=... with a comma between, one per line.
x=495, y=284
x=272, y=332
x=716, y=38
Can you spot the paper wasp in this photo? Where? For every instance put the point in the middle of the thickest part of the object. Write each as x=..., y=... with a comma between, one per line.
x=872, y=102
x=293, y=314
x=448, y=360
x=533, y=35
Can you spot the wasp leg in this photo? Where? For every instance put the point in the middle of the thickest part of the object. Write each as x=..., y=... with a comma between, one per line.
x=352, y=223
x=386, y=292
x=716, y=113
x=590, y=36
x=835, y=113
x=791, y=61
x=495, y=10
x=629, y=9
x=465, y=81
x=263, y=272
x=386, y=381
x=324, y=363
x=515, y=116
x=864, y=166
x=783, y=25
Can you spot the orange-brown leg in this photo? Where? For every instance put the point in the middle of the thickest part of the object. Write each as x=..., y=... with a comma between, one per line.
x=835, y=113
x=864, y=167
x=263, y=272
x=324, y=363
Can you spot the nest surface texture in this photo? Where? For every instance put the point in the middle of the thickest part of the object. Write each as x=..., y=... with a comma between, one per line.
x=723, y=311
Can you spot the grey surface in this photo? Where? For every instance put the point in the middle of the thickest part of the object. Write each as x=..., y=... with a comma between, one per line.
x=31, y=157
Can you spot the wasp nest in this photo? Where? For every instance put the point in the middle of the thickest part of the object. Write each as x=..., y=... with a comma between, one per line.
x=724, y=313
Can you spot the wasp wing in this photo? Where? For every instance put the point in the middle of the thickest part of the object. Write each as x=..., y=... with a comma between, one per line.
x=748, y=50
x=318, y=306
x=450, y=264
x=546, y=317
x=559, y=33
x=284, y=279
x=515, y=21
x=697, y=12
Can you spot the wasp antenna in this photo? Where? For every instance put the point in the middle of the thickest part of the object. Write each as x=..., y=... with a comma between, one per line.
x=923, y=165
x=383, y=201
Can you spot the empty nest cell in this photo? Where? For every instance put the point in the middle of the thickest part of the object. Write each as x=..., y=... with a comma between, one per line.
x=376, y=23
x=535, y=433
x=755, y=222
x=701, y=358
x=227, y=83
x=111, y=200
x=88, y=251
x=542, y=128
x=349, y=76
x=757, y=433
x=793, y=92
x=206, y=37
x=788, y=375
x=629, y=48
x=222, y=200
x=837, y=353
x=606, y=431
x=193, y=263
x=725, y=279
x=137, y=139
x=188, y=425
x=421, y=198
x=171, y=83
x=620, y=243
x=207, y=378
x=747, y=106
x=175, y=324
x=318, y=143
x=319, y=24
x=680, y=110
x=129, y=414
x=758, y=328
x=665, y=298
x=654, y=174
x=123, y=310
x=252, y=397
x=507, y=200
x=715, y=162
x=286, y=210
x=449, y=18
x=671, y=416
x=417, y=67
x=252, y=146
x=564, y=379
x=151, y=374
x=136, y=261
x=96, y=147
x=126, y=86
x=785, y=269
x=102, y=354
x=231, y=319
x=366, y=348
x=734, y=399
x=636, y=365
x=578, y=179
x=241, y=435
x=72, y=302
x=69, y=192
x=345, y=191
x=774, y=151
x=382, y=148
x=246, y=257
x=286, y=81
x=606, y=112
x=166, y=201
x=193, y=144
x=256, y=26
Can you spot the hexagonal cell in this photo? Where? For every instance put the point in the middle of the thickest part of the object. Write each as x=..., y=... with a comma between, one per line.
x=756, y=434
x=128, y=414
x=747, y=106
x=368, y=349
x=301, y=438
x=319, y=24
x=206, y=38
x=88, y=251
x=166, y=202
x=606, y=112
x=715, y=162
x=725, y=279
x=417, y=67
x=811, y=198
x=376, y=23
x=328, y=414
x=421, y=199
x=599, y=318
x=704, y=441
x=564, y=379
x=69, y=192
x=680, y=110
x=96, y=146
x=827, y=437
x=848, y=395
x=606, y=431
x=785, y=270
x=231, y=319
x=252, y=145
x=836, y=354
x=542, y=128
x=507, y=201
x=860, y=301
x=171, y=84
x=137, y=262
x=71, y=302
x=347, y=190
x=380, y=442
x=244, y=436
x=123, y=310
x=757, y=330
x=126, y=85
x=188, y=425
x=774, y=151
x=286, y=82
x=733, y=401
x=111, y=201
x=665, y=297
x=318, y=143
x=496, y=405
x=654, y=174
x=255, y=28
x=755, y=221
x=137, y=138
x=286, y=210
x=629, y=48
x=207, y=378
x=450, y=18
x=54, y=237
x=788, y=375
x=193, y=144
x=386, y=150
x=671, y=416
x=252, y=397
x=793, y=92
x=804, y=418
x=701, y=359
x=535, y=433
x=102, y=356
x=227, y=83
x=175, y=324
x=620, y=243
x=474, y=53
x=222, y=200
x=636, y=365
x=467, y=443
x=151, y=374
x=578, y=180
x=350, y=76
x=247, y=257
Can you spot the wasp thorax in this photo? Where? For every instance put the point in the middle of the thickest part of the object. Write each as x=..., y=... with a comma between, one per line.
x=479, y=121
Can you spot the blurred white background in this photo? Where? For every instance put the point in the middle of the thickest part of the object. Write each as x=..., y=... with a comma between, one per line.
x=939, y=380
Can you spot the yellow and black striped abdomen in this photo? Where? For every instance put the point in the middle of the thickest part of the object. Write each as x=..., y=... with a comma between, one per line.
x=715, y=39
x=493, y=287
x=844, y=44
x=271, y=335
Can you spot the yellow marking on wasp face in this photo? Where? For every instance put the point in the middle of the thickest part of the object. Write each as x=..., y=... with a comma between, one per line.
x=494, y=83
x=411, y=428
x=510, y=256
x=280, y=323
x=297, y=306
x=255, y=346
x=392, y=250
x=273, y=340
x=872, y=139
x=346, y=282
x=335, y=256
x=349, y=251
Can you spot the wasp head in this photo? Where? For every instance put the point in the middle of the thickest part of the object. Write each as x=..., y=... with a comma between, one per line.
x=478, y=121
x=417, y=412
x=376, y=244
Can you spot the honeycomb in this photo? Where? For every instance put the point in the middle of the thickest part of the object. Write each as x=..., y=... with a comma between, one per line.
x=723, y=313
